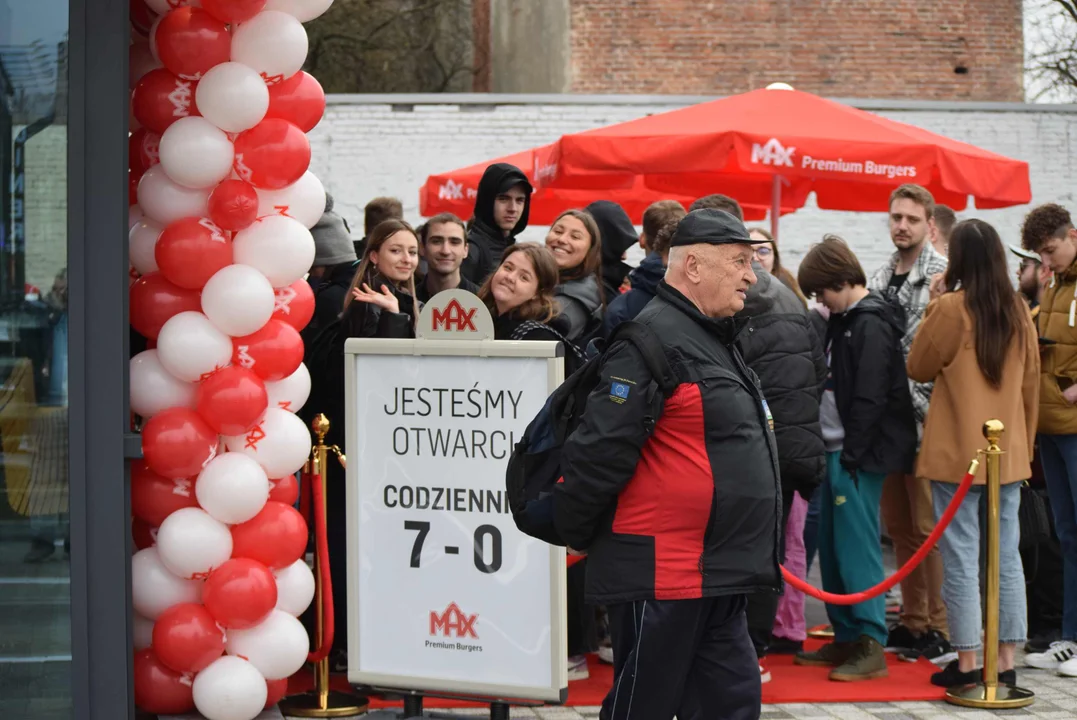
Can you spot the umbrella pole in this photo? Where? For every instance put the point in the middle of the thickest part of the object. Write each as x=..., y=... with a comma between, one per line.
x=775, y=206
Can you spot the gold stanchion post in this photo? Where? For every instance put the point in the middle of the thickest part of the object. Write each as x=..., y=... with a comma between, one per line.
x=322, y=702
x=989, y=694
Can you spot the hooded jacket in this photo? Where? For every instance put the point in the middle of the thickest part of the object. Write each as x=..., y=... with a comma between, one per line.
x=486, y=242
x=673, y=498
x=617, y=235
x=871, y=388
x=628, y=305
x=783, y=349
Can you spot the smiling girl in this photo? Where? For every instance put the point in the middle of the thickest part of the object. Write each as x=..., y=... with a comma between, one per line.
x=381, y=299
x=577, y=249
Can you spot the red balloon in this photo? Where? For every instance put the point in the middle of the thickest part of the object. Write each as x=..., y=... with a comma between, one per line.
x=300, y=100
x=275, y=537
x=155, y=497
x=240, y=593
x=275, y=689
x=294, y=304
x=191, y=250
x=232, y=400
x=178, y=443
x=284, y=490
x=141, y=17
x=233, y=11
x=274, y=352
x=186, y=638
x=160, y=99
x=143, y=535
x=154, y=301
x=272, y=155
x=190, y=41
x=143, y=149
x=158, y=690
x=233, y=204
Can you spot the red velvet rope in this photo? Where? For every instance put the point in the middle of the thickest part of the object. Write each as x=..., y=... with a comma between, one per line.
x=854, y=598
x=321, y=543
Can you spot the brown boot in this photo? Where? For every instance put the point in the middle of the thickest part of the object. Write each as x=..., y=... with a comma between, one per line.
x=830, y=655
x=867, y=661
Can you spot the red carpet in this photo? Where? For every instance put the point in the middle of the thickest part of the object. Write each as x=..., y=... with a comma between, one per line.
x=790, y=684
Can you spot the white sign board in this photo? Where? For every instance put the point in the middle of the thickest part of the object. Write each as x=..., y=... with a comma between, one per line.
x=446, y=595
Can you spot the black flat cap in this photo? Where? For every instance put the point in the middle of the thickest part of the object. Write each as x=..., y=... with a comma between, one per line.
x=711, y=226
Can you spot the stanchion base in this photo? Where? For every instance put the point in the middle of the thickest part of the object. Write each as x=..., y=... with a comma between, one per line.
x=821, y=632
x=339, y=704
x=1000, y=697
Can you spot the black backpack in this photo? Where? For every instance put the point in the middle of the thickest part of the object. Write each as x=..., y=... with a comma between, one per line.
x=535, y=465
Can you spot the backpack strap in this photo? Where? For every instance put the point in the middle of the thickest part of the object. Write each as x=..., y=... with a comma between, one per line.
x=650, y=347
x=528, y=325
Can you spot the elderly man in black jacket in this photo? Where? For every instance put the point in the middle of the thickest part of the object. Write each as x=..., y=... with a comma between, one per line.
x=784, y=350
x=677, y=499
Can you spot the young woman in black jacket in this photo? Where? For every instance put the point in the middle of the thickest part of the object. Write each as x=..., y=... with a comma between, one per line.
x=576, y=244
x=381, y=299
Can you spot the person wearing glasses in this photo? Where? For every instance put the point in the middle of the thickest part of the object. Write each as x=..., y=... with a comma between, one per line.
x=766, y=254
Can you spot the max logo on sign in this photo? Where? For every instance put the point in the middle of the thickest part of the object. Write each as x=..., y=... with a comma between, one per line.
x=454, y=316
x=451, y=190
x=453, y=622
x=772, y=153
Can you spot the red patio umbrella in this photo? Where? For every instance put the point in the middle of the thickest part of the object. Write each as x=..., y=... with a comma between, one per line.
x=774, y=147
x=454, y=192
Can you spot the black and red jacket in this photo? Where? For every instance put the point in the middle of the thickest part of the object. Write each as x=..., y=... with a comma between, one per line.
x=674, y=498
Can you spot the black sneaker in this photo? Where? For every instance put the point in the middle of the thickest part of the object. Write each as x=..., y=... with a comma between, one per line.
x=784, y=646
x=951, y=676
x=1008, y=677
x=934, y=647
x=902, y=638
x=1041, y=642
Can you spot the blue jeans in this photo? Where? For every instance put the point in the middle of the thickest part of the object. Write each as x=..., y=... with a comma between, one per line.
x=1058, y=454
x=960, y=547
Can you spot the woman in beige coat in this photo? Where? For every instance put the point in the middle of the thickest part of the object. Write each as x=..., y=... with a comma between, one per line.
x=978, y=344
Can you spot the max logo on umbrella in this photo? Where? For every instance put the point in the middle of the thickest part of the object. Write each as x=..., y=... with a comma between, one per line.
x=772, y=153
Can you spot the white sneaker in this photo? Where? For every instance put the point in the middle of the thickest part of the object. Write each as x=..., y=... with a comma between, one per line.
x=577, y=668
x=764, y=675
x=1068, y=668
x=1058, y=653
x=605, y=654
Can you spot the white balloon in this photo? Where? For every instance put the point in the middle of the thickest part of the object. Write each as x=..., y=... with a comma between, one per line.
x=154, y=589
x=143, y=632
x=142, y=61
x=141, y=245
x=280, y=443
x=196, y=153
x=154, y=389
x=238, y=300
x=273, y=44
x=233, y=97
x=190, y=346
x=191, y=543
x=233, y=488
x=277, y=246
x=295, y=587
x=230, y=688
x=134, y=215
x=304, y=200
x=292, y=392
x=165, y=202
x=302, y=10
x=277, y=646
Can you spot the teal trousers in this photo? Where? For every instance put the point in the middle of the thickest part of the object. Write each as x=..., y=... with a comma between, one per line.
x=850, y=552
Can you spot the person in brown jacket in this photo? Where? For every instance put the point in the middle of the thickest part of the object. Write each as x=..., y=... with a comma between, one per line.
x=1048, y=231
x=978, y=344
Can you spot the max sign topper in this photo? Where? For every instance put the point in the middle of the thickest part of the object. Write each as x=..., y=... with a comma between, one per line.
x=455, y=315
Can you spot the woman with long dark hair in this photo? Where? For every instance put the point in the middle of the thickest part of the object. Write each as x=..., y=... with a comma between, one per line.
x=381, y=299
x=978, y=344
x=576, y=244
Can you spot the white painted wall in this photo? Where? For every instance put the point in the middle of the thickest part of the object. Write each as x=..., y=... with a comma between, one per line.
x=363, y=149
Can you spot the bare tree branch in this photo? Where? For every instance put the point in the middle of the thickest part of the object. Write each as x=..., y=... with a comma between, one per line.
x=1051, y=57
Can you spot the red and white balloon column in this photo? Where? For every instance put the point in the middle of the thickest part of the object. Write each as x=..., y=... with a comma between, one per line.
x=221, y=205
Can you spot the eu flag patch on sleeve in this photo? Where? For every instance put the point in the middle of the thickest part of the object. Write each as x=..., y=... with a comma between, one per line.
x=618, y=392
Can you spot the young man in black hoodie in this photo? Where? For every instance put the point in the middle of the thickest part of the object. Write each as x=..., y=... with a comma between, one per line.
x=502, y=204
x=869, y=431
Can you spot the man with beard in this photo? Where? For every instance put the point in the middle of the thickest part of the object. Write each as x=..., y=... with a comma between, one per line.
x=502, y=204
x=1032, y=276
x=907, y=508
x=443, y=245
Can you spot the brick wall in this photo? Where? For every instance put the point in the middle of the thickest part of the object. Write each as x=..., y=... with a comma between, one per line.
x=362, y=150
x=849, y=48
